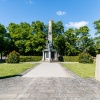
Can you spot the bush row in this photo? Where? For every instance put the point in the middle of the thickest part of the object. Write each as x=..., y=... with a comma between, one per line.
x=30, y=58
x=71, y=58
x=14, y=57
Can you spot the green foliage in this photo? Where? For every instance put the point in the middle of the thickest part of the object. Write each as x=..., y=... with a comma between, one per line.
x=30, y=58
x=85, y=58
x=57, y=28
x=30, y=39
x=60, y=58
x=82, y=38
x=97, y=26
x=70, y=42
x=21, y=35
x=59, y=44
x=71, y=58
x=97, y=38
x=13, y=57
x=2, y=42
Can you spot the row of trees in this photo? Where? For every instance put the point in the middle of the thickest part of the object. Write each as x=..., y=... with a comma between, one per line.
x=30, y=39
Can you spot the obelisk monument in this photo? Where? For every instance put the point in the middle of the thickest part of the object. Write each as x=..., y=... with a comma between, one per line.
x=50, y=32
x=49, y=54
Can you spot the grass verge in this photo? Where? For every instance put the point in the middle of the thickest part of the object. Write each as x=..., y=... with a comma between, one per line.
x=14, y=69
x=82, y=70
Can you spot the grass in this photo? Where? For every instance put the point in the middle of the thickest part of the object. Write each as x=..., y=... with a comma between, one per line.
x=14, y=69
x=82, y=70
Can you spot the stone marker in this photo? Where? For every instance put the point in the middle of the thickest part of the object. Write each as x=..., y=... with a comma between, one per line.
x=97, y=71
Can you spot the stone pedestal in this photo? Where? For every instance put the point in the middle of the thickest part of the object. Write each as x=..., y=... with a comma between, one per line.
x=49, y=55
x=97, y=70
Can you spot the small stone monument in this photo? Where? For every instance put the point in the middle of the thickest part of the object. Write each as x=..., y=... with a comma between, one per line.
x=49, y=54
x=97, y=71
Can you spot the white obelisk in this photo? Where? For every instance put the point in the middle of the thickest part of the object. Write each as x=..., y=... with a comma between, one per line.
x=50, y=31
x=49, y=54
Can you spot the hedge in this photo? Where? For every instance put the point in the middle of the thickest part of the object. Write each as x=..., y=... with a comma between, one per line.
x=71, y=58
x=38, y=58
x=30, y=58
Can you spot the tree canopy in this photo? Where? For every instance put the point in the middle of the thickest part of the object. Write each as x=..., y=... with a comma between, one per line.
x=2, y=39
x=97, y=38
x=30, y=39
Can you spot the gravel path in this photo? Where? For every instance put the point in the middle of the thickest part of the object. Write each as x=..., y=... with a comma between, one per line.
x=53, y=83
x=47, y=69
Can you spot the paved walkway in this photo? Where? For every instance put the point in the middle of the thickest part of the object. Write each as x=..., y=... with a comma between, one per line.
x=47, y=69
x=49, y=88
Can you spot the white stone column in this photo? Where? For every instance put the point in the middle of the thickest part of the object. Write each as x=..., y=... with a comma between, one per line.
x=49, y=55
x=97, y=70
x=43, y=56
x=56, y=56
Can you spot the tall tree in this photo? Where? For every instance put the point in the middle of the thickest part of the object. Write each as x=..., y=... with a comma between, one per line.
x=20, y=34
x=83, y=38
x=57, y=28
x=97, y=38
x=2, y=35
x=70, y=42
x=92, y=47
x=59, y=44
x=39, y=37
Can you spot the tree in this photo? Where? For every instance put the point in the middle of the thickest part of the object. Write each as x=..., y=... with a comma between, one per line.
x=28, y=39
x=2, y=35
x=57, y=28
x=20, y=35
x=92, y=47
x=13, y=36
x=59, y=44
x=82, y=38
x=39, y=37
x=70, y=42
x=97, y=38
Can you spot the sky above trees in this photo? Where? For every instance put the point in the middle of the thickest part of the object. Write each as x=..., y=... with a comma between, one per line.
x=73, y=13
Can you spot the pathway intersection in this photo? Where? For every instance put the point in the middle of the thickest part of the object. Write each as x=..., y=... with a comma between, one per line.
x=52, y=84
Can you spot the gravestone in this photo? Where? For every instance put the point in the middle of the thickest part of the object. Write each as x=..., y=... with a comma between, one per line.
x=49, y=54
x=97, y=71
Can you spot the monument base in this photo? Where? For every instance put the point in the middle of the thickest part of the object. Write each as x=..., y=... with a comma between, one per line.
x=50, y=55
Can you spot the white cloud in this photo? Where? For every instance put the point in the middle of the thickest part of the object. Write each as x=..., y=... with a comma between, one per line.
x=60, y=13
x=77, y=24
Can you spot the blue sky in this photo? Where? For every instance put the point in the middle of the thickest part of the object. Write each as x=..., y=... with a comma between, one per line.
x=73, y=13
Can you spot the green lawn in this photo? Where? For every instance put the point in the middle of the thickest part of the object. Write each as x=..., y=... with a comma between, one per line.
x=82, y=70
x=14, y=69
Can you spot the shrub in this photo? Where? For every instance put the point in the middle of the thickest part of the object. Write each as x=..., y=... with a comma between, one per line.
x=60, y=58
x=30, y=58
x=13, y=57
x=71, y=58
x=85, y=58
